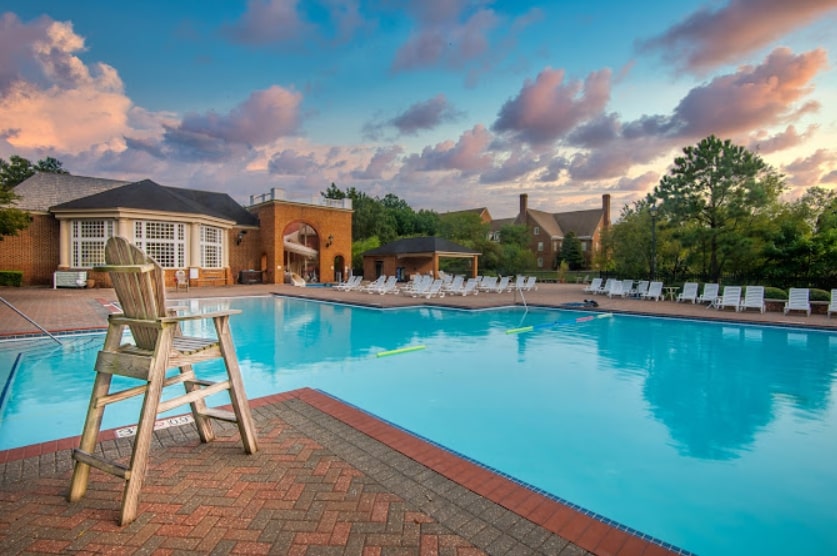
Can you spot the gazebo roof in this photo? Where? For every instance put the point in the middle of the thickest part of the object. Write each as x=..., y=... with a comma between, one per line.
x=422, y=246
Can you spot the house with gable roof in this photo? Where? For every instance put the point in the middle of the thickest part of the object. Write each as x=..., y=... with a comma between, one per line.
x=547, y=230
x=219, y=241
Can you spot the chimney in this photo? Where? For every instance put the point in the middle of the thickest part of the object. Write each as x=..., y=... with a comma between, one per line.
x=606, y=210
x=524, y=208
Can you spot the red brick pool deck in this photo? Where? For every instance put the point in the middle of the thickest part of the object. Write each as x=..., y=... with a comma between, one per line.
x=328, y=478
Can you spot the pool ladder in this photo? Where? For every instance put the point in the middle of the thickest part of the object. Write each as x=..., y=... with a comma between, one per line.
x=35, y=324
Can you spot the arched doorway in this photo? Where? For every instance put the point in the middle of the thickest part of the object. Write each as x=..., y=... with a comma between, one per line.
x=300, y=242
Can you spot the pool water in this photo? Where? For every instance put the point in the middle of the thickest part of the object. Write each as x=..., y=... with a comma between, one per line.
x=718, y=438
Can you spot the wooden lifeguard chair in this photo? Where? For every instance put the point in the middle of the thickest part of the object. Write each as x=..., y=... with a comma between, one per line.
x=157, y=347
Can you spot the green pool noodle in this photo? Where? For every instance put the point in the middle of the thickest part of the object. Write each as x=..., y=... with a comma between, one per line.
x=519, y=330
x=399, y=350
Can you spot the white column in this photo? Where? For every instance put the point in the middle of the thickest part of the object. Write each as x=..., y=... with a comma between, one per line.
x=64, y=243
x=193, y=245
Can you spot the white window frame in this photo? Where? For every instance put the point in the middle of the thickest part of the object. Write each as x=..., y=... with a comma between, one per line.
x=540, y=262
x=163, y=241
x=212, y=247
x=536, y=230
x=87, y=241
x=540, y=246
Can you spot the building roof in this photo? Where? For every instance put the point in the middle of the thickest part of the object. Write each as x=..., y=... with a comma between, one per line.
x=547, y=222
x=581, y=222
x=482, y=212
x=417, y=245
x=500, y=222
x=45, y=189
x=148, y=195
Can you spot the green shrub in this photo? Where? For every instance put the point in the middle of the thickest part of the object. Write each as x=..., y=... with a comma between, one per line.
x=774, y=293
x=11, y=278
x=819, y=295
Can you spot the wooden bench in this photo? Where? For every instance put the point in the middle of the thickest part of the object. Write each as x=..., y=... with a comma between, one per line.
x=212, y=277
x=69, y=279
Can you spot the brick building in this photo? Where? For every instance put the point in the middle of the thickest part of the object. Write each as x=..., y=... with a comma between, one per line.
x=547, y=230
x=214, y=238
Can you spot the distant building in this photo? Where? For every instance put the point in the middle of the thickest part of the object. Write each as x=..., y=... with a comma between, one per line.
x=548, y=230
x=209, y=234
x=406, y=257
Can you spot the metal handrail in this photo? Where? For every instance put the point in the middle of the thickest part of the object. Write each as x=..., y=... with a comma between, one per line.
x=38, y=326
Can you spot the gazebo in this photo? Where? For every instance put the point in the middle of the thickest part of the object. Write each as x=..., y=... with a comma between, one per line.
x=414, y=255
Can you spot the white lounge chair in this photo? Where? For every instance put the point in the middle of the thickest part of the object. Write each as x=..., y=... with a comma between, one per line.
x=456, y=284
x=641, y=289
x=435, y=289
x=832, y=306
x=377, y=283
x=731, y=298
x=690, y=292
x=616, y=289
x=420, y=287
x=469, y=288
x=352, y=283
x=519, y=282
x=627, y=287
x=709, y=295
x=798, y=300
x=606, y=288
x=488, y=284
x=390, y=285
x=530, y=283
x=655, y=291
x=593, y=286
x=503, y=285
x=753, y=298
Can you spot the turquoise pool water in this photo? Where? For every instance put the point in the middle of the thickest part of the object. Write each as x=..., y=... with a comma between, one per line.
x=717, y=438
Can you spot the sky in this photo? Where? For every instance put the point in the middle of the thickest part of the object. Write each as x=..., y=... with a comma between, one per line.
x=448, y=104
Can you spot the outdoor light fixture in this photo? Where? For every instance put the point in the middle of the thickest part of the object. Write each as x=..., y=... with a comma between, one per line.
x=330, y=240
x=240, y=237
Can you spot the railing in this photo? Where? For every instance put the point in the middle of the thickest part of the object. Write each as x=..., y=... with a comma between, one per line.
x=276, y=194
x=38, y=326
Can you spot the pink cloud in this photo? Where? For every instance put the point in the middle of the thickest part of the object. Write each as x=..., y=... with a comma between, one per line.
x=420, y=116
x=809, y=171
x=546, y=109
x=49, y=99
x=266, y=22
x=288, y=162
x=752, y=97
x=516, y=165
x=382, y=163
x=763, y=143
x=448, y=42
x=467, y=155
x=707, y=38
x=265, y=116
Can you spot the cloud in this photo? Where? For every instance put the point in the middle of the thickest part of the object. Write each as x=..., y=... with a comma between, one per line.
x=447, y=42
x=267, y=22
x=516, y=165
x=261, y=119
x=424, y=115
x=382, y=162
x=810, y=170
x=546, y=109
x=468, y=155
x=830, y=177
x=643, y=182
x=707, y=38
x=752, y=97
x=49, y=99
x=288, y=162
x=763, y=143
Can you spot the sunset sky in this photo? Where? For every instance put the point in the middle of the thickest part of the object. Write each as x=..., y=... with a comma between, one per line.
x=449, y=104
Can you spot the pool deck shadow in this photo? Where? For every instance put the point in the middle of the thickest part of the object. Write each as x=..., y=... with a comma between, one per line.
x=328, y=478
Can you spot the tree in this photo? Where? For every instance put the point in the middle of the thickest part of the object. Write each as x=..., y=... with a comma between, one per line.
x=571, y=252
x=465, y=228
x=12, y=173
x=717, y=186
x=18, y=169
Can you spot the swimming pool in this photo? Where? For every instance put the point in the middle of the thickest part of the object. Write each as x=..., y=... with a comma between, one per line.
x=715, y=437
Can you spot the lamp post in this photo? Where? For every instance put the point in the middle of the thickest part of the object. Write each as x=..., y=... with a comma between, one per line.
x=653, y=212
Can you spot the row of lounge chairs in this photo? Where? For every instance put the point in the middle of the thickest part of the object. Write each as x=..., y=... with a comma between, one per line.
x=643, y=289
x=753, y=296
x=427, y=286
